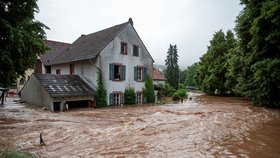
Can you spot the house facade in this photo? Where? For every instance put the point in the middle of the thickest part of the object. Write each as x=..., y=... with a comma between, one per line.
x=55, y=48
x=118, y=51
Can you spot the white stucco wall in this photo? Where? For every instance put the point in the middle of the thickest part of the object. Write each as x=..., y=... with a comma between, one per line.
x=33, y=93
x=111, y=54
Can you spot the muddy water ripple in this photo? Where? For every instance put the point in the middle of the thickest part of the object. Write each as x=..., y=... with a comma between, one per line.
x=205, y=126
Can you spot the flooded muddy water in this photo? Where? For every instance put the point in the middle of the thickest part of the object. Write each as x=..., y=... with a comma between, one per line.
x=205, y=126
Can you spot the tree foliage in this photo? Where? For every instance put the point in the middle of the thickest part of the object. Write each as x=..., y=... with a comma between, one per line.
x=20, y=39
x=129, y=96
x=101, y=92
x=250, y=66
x=190, y=72
x=211, y=73
x=148, y=91
x=258, y=27
x=180, y=94
x=172, y=69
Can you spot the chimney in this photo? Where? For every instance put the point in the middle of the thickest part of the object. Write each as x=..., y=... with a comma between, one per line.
x=130, y=21
x=82, y=35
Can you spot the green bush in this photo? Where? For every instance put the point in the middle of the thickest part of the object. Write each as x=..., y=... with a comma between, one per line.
x=129, y=96
x=17, y=154
x=101, y=92
x=180, y=94
x=148, y=91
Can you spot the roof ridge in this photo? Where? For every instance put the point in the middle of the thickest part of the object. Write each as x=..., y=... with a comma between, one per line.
x=101, y=38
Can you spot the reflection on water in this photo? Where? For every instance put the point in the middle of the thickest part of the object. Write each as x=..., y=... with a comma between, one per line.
x=205, y=126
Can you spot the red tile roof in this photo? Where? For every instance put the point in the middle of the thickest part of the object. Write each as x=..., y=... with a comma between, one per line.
x=157, y=75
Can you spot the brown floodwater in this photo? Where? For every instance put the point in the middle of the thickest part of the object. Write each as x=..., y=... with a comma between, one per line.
x=205, y=126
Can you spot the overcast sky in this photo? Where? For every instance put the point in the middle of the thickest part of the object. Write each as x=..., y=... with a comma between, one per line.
x=189, y=24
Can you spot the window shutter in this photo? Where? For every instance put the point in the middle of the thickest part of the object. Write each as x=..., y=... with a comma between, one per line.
x=111, y=97
x=123, y=72
x=135, y=73
x=111, y=71
x=145, y=74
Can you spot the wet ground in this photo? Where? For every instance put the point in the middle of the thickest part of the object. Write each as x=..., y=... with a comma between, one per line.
x=205, y=126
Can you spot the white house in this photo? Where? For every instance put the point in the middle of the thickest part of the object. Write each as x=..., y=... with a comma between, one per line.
x=118, y=51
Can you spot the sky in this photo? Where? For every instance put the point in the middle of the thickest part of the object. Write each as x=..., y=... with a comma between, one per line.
x=190, y=24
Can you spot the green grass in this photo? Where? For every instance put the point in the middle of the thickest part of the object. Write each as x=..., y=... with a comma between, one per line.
x=17, y=154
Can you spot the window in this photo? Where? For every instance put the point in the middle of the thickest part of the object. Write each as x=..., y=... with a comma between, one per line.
x=48, y=69
x=123, y=48
x=57, y=71
x=140, y=73
x=117, y=72
x=116, y=98
x=72, y=69
x=135, y=50
x=139, y=98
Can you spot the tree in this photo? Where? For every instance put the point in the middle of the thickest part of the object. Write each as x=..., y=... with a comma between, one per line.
x=183, y=75
x=21, y=39
x=129, y=96
x=211, y=74
x=190, y=72
x=101, y=93
x=258, y=30
x=148, y=91
x=172, y=69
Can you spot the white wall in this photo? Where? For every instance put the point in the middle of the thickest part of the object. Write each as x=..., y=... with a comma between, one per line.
x=34, y=94
x=111, y=54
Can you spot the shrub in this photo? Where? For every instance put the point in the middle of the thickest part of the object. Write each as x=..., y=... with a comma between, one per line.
x=17, y=154
x=101, y=93
x=148, y=91
x=129, y=96
x=180, y=94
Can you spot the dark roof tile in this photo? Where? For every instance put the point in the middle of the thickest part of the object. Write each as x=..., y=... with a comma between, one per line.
x=65, y=85
x=88, y=46
x=56, y=48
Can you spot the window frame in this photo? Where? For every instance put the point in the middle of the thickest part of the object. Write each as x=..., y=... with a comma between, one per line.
x=124, y=48
x=58, y=71
x=139, y=100
x=72, y=69
x=116, y=98
x=140, y=69
x=138, y=50
x=122, y=72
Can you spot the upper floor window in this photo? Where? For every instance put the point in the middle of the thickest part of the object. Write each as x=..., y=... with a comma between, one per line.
x=117, y=72
x=135, y=50
x=123, y=48
x=72, y=69
x=140, y=73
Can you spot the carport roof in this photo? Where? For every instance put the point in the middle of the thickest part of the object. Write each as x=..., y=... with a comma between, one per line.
x=59, y=86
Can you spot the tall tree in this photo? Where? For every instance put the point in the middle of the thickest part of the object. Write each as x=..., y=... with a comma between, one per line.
x=258, y=28
x=172, y=69
x=101, y=93
x=20, y=38
x=211, y=74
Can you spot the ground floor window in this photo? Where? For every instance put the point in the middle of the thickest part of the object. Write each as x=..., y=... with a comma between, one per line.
x=116, y=98
x=139, y=98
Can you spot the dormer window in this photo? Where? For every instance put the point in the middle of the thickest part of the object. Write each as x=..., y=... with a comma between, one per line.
x=123, y=48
